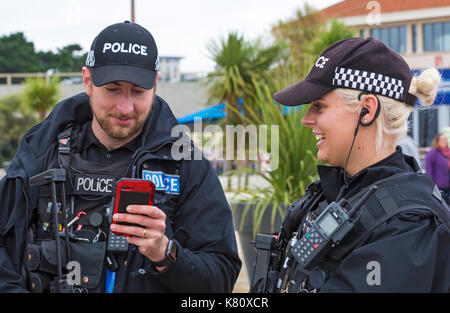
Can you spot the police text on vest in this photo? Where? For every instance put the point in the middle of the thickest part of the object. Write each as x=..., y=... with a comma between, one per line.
x=102, y=185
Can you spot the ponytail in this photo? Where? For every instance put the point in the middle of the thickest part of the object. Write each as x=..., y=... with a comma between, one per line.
x=425, y=86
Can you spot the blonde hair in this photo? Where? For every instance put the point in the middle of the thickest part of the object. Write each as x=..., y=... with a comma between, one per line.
x=391, y=123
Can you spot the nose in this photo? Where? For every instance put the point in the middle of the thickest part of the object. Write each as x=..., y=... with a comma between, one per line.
x=125, y=103
x=308, y=119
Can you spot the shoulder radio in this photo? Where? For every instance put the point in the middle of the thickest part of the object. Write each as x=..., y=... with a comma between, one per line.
x=332, y=225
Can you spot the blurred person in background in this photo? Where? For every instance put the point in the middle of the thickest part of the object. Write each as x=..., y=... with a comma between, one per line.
x=437, y=163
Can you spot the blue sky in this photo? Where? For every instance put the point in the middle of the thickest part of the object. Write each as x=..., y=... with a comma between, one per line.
x=180, y=27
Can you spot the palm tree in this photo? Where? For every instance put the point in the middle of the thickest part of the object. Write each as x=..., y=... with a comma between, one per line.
x=41, y=94
x=336, y=31
x=14, y=122
x=298, y=32
x=238, y=64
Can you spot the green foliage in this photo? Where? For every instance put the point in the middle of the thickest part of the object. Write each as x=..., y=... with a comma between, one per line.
x=298, y=32
x=17, y=55
x=308, y=36
x=297, y=161
x=14, y=122
x=68, y=59
x=238, y=63
x=254, y=73
x=41, y=94
x=337, y=32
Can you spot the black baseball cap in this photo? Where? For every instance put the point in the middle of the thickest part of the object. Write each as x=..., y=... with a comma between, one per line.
x=124, y=52
x=364, y=64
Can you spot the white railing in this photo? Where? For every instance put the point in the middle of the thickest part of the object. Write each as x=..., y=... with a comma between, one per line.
x=9, y=76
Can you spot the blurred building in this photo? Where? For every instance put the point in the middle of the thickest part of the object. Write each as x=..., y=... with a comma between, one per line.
x=169, y=69
x=419, y=30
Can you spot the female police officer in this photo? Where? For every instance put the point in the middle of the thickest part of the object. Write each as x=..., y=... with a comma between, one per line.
x=361, y=94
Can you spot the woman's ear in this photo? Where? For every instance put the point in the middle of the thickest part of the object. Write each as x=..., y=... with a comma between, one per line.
x=370, y=110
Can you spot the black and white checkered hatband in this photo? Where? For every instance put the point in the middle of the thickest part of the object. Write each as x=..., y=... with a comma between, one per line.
x=369, y=81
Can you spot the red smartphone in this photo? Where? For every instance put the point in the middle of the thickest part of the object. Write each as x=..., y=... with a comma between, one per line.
x=132, y=191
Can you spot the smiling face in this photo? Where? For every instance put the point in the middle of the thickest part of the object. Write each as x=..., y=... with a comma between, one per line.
x=120, y=110
x=334, y=126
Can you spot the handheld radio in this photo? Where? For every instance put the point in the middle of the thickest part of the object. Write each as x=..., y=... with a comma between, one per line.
x=332, y=225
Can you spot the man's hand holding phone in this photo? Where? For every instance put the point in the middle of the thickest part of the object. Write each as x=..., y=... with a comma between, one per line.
x=149, y=232
x=137, y=218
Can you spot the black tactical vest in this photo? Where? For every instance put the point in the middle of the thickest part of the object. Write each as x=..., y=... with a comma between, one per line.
x=398, y=193
x=89, y=190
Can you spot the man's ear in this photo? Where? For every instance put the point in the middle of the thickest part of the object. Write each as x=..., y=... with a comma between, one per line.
x=155, y=85
x=87, y=80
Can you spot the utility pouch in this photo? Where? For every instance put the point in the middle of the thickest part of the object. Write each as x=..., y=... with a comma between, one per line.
x=39, y=282
x=41, y=259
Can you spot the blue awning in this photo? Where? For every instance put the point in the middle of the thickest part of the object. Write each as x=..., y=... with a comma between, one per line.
x=211, y=113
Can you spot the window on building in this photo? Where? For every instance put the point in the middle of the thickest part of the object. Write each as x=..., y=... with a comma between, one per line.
x=446, y=35
x=414, y=38
x=436, y=36
x=394, y=37
x=428, y=126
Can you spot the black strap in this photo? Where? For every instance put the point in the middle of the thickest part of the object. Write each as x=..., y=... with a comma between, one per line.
x=399, y=193
x=64, y=146
x=298, y=211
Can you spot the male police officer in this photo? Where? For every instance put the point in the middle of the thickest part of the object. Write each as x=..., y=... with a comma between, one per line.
x=118, y=128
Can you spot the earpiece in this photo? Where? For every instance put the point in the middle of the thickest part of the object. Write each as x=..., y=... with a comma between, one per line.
x=364, y=111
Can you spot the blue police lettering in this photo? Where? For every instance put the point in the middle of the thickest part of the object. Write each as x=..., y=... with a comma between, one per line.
x=175, y=184
x=165, y=182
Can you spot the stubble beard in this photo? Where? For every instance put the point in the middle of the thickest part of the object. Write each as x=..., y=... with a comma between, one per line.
x=116, y=131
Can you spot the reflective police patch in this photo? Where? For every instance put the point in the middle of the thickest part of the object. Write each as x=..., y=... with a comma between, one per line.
x=93, y=184
x=166, y=182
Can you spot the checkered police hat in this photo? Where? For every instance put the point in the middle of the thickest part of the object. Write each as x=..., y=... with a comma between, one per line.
x=364, y=64
x=124, y=52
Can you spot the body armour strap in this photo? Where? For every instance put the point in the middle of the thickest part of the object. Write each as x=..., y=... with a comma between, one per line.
x=64, y=147
x=298, y=210
x=396, y=194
